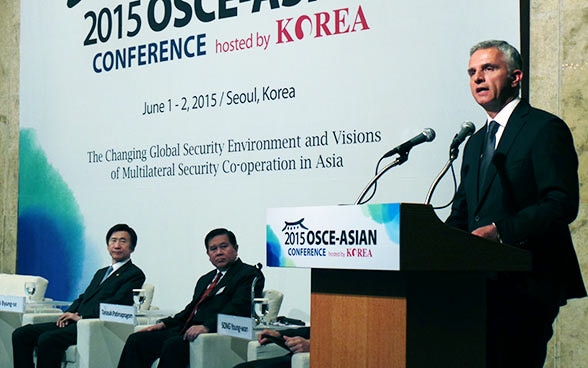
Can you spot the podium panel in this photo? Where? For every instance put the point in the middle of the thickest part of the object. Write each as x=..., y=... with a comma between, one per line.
x=397, y=319
x=358, y=331
x=426, y=310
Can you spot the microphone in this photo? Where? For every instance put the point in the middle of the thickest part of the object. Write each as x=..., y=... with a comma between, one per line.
x=467, y=128
x=258, y=266
x=426, y=136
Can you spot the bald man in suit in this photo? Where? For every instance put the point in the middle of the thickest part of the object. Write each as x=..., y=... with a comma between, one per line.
x=113, y=284
x=527, y=196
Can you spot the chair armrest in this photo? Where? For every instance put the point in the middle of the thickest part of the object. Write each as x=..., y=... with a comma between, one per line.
x=212, y=350
x=142, y=321
x=257, y=351
x=100, y=343
x=40, y=317
x=301, y=360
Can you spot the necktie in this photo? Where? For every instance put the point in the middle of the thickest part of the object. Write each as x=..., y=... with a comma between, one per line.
x=204, y=295
x=108, y=272
x=488, y=150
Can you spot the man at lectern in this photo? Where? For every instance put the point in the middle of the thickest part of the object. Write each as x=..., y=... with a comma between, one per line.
x=226, y=290
x=113, y=284
x=519, y=185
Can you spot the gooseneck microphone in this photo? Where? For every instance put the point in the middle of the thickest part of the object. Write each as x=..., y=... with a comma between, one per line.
x=259, y=266
x=426, y=136
x=467, y=128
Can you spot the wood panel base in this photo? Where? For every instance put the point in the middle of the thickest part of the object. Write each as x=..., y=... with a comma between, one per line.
x=358, y=331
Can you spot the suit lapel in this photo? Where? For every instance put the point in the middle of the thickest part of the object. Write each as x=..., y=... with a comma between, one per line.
x=97, y=287
x=515, y=123
x=223, y=281
x=478, y=147
x=201, y=287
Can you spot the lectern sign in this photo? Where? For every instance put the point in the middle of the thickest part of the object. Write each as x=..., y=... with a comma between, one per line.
x=346, y=237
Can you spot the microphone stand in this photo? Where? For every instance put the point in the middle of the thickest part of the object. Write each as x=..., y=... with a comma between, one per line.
x=452, y=156
x=254, y=315
x=403, y=156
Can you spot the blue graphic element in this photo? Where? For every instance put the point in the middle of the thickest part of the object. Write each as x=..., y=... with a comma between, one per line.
x=387, y=214
x=274, y=256
x=50, y=227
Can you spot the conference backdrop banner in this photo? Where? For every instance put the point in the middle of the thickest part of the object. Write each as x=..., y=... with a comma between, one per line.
x=177, y=117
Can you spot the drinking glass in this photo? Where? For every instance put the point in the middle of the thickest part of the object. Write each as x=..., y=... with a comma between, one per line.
x=260, y=308
x=138, y=298
x=30, y=288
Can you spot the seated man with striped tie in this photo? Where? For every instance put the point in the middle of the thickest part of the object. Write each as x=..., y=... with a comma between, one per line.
x=113, y=284
x=226, y=289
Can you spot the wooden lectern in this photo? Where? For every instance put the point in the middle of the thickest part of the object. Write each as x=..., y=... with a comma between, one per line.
x=431, y=313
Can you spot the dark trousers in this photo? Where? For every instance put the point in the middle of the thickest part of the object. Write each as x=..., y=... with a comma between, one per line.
x=278, y=362
x=50, y=341
x=520, y=325
x=143, y=348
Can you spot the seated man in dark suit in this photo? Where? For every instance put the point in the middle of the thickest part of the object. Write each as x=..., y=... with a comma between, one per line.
x=113, y=284
x=295, y=340
x=226, y=290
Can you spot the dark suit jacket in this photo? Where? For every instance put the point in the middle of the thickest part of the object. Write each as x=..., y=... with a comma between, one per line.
x=116, y=289
x=232, y=295
x=531, y=193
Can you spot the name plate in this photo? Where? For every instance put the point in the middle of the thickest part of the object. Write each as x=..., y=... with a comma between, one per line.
x=117, y=313
x=10, y=303
x=343, y=237
x=235, y=326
